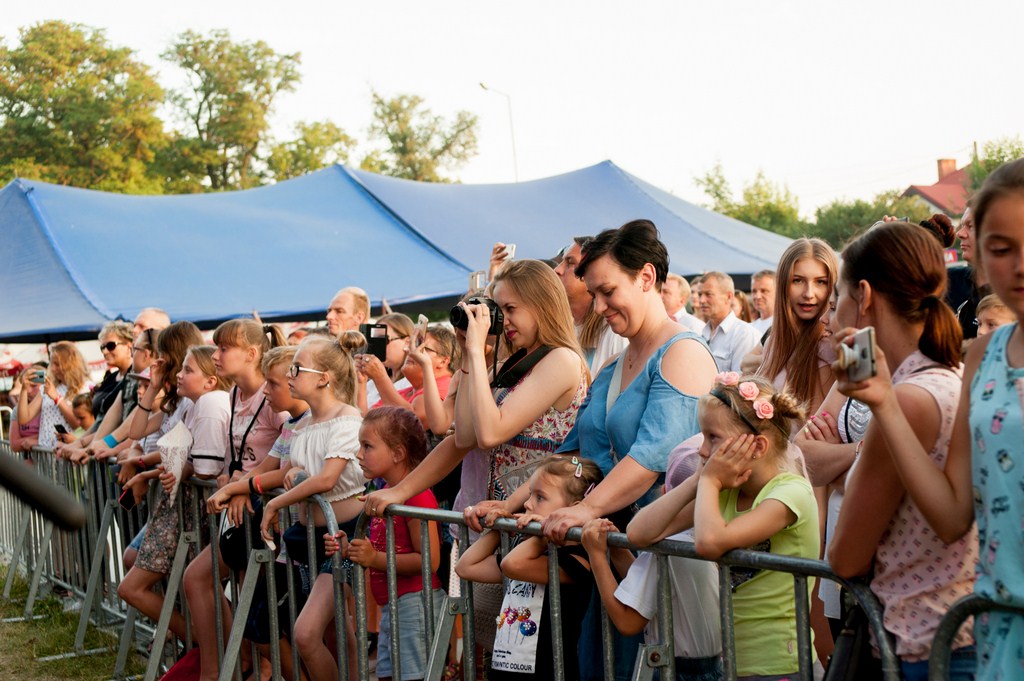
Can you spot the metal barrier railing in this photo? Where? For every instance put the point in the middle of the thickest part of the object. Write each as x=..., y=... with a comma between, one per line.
x=942, y=644
x=87, y=564
x=660, y=655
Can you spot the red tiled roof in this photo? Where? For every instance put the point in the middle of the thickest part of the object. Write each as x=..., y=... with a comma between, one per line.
x=950, y=193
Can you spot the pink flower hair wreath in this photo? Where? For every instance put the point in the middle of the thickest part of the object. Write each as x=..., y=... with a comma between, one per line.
x=749, y=391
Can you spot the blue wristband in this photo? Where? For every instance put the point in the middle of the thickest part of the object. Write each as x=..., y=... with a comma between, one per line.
x=110, y=441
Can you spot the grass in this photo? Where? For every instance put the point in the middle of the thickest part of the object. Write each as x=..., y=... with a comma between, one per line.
x=22, y=642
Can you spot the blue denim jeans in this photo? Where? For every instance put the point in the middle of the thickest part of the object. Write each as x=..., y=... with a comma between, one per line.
x=962, y=664
x=699, y=669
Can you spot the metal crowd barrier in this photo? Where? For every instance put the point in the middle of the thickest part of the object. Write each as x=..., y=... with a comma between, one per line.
x=85, y=563
x=88, y=565
x=260, y=562
x=942, y=644
x=653, y=655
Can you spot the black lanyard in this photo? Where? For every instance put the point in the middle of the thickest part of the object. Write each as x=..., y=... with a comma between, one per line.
x=517, y=366
x=236, y=456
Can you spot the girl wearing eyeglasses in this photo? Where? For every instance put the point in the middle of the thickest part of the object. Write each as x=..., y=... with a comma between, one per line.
x=325, y=449
x=65, y=379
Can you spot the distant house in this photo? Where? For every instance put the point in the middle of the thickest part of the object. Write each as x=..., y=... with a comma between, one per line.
x=949, y=195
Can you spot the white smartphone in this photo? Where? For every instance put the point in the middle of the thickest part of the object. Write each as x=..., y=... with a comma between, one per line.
x=420, y=334
x=477, y=280
x=511, y=250
x=858, y=358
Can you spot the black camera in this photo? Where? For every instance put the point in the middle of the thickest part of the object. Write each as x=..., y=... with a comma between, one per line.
x=459, y=319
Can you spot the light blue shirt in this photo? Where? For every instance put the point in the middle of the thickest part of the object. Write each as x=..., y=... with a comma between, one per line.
x=649, y=418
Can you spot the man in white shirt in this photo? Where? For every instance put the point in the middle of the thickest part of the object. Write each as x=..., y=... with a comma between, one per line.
x=674, y=293
x=762, y=295
x=607, y=343
x=729, y=337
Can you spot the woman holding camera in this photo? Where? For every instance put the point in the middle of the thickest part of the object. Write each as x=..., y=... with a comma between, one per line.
x=893, y=278
x=64, y=380
x=25, y=436
x=531, y=405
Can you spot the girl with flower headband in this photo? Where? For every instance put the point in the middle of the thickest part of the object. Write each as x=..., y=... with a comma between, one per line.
x=751, y=492
x=522, y=643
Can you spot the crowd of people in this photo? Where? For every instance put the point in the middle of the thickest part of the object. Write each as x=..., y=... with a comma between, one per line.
x=599, y=390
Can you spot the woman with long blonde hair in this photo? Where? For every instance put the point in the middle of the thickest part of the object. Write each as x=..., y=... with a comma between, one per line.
x=521, y=419
x=64, y=379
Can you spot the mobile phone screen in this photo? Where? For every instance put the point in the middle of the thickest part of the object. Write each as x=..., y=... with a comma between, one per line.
x=376, y=340
x=127, y=500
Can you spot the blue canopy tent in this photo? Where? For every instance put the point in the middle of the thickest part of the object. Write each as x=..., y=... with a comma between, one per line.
x=72, y=259
x=542, y=216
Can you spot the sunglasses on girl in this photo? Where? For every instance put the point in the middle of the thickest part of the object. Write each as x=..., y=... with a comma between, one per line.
x=111, y=346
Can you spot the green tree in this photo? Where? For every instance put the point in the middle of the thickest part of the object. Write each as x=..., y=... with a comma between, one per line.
x=716, y=187
x=225, y=107
x=763, y=203
x=842, y=220
x=419, y=144
x=316, y=145
x=994, y=154
x=75, y=110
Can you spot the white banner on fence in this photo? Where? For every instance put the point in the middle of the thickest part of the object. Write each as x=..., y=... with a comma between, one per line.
x=515, y=641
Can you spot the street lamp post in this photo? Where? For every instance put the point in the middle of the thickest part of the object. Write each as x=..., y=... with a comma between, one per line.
x=511, y=128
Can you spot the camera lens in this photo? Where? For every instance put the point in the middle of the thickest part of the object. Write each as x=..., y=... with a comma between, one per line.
x=458, y=319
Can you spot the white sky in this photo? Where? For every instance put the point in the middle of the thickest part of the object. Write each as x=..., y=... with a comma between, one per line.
x=833, y=99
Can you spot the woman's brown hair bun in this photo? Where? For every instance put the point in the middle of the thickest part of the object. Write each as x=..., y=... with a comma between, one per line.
x=942, y=227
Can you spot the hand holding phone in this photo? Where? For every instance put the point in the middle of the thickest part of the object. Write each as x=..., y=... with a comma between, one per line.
x=376, y=340
x=127, y=499
x=477, y=281
x=858, y=358
x=420, y=334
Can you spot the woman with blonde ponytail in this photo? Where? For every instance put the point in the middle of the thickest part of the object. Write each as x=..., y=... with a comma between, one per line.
x=750, y=493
